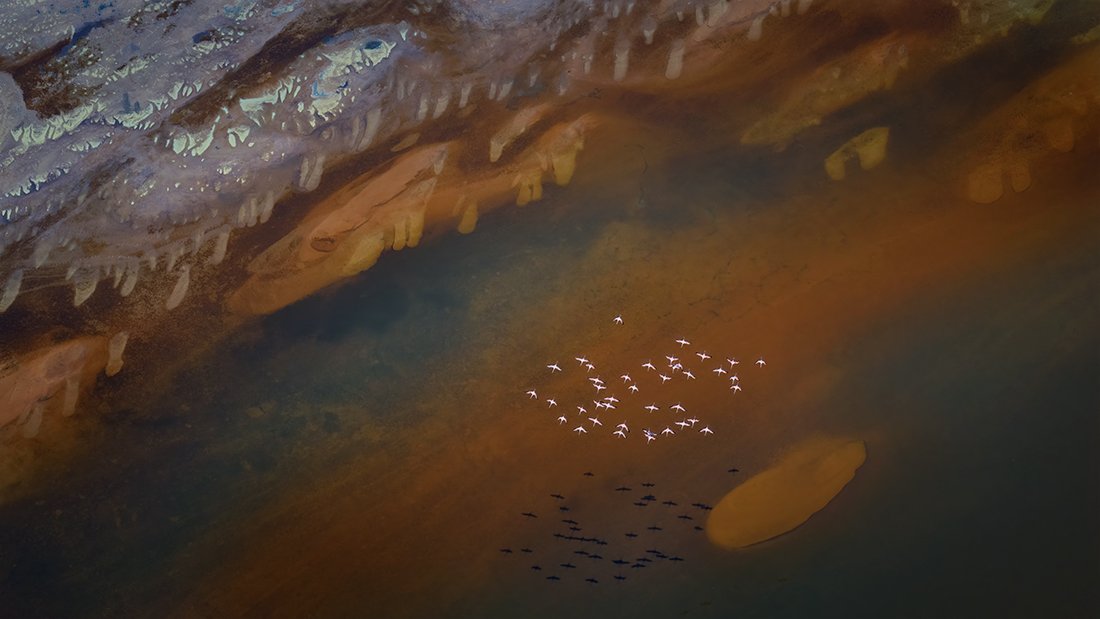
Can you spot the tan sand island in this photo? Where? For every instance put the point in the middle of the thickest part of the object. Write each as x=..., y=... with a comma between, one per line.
x=786, y=495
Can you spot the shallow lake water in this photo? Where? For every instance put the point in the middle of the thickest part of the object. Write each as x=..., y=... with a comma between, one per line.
x=371, y=450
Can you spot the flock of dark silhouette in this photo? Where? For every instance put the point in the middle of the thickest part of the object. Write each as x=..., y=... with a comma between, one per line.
x=591, y=564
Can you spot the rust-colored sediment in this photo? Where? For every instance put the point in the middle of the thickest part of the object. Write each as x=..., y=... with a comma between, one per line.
x=45, y=375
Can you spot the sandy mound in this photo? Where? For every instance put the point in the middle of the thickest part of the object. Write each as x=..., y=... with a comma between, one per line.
x=786, y=495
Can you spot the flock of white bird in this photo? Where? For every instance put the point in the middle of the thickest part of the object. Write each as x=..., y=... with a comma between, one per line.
x=675, y=369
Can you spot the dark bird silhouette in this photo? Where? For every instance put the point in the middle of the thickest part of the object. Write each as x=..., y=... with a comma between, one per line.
x=595, y=557
x=589, y=475
x=641, y=504
x=632, y=535
x=649, y=497
x=599, y=542
x=645, y=560
x=654, y=528
x=552, y=578
x=661, y=555
x=574, y=529
x=507, y=550
x=675, y=559
x=732, y=471
x=637, y=565
x=653, y=552
x=620, y=577
x=698, y=528
x=620, y=562
x=699, y=505
x=622, y=489
x=580, y=552
x=529, y=515
x=648, y=485
x=564, y=508
x=558, y=496
x=569, y=566
x=670, y=503
x=570, y=521
x=535, y=567
x=558, y=535
x=685, y=517
x=592, y=580
x=707, y=508
x=527, y=550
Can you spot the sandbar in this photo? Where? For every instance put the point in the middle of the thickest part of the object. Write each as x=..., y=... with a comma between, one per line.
x=783, y=497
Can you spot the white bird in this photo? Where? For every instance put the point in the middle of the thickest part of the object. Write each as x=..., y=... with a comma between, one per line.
x=581, y=409
x=682, y=342
x=689, y=375
x=682, y=424
x=760, y=362
x=703, y=356
x=671, y=360
x=667, y=430
x=600, y=388
x=554, y=368
x=718, y=371
x=732, y=362
x=620, y=433
x=618, y=320
x=552, y=402
x=626, y=378
x=609, y=407
x=707, y=430
x=622, y=426
x=736, y=387
x=534, y=396
x=562, y=420
x=589, y=366
x=611, y=398
x=665, y=378
x=693, y=421
x=595, y=421
x=580, y=429
x=648, y=365
x=677, y=407
x=734, y=379
x=581, y=359
x=652, y=408
x=649, y=437
x=634, y=389
x=600, y=405
x=595, y=380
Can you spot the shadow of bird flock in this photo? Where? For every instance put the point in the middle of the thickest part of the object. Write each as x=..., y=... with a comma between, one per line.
x=609, y=535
